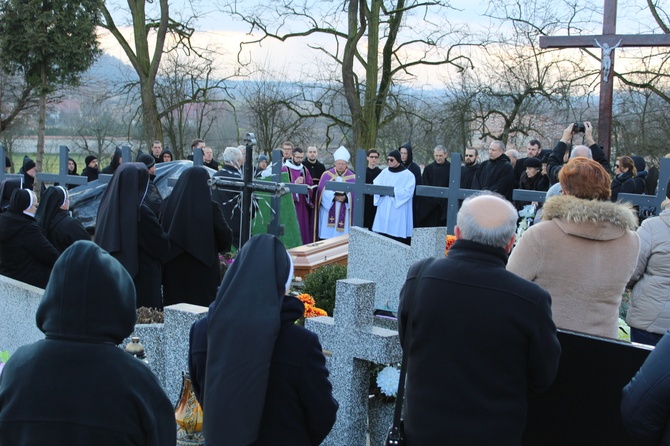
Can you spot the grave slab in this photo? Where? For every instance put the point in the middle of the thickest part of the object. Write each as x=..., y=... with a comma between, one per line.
x=18, y=305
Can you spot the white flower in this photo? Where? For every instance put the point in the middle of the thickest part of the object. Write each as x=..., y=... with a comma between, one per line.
x=387, y=380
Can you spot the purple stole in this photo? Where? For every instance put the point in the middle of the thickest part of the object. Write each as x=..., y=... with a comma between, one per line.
x=331, y=175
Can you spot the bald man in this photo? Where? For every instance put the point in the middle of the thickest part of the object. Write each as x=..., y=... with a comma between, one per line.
x=497, y=341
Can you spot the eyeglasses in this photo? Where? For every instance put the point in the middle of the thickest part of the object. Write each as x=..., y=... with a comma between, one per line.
x=388, y=160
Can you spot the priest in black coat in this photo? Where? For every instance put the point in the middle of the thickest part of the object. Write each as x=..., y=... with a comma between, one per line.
x=115, y=162
x=432, y=212
x=25, y=253
x=496, y=174
x=76, y=387
x=59, y=227
x=198, y=233
x=372, y=171
x=266, y=381
x=131, y=233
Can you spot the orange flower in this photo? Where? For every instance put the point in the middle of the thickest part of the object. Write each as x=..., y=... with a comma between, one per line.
x=306, y=299
x=311, y=311
x=450, y=241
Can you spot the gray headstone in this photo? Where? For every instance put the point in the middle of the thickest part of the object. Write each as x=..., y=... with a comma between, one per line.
x=353, y=341
x=386, y=262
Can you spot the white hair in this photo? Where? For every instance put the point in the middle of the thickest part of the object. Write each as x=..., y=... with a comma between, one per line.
x=471, y=229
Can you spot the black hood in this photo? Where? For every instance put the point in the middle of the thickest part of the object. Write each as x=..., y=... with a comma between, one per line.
x=410, y=156
x=90, y=297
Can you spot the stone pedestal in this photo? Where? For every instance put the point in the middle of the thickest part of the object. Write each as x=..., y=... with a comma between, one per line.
x=380, y=417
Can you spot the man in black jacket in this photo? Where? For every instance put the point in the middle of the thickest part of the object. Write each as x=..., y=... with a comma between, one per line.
x=496, y=174
x=561, y=153
x=480, y=339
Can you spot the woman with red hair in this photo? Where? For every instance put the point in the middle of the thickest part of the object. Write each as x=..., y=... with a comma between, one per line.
x=583, y=252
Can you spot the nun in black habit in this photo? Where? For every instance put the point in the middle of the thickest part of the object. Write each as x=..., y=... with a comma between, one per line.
x=25, y=253
x=76, y=387
x=8, y=186
x=128, y=230
x=198, y=233
x=53, y=216
x=266, y=381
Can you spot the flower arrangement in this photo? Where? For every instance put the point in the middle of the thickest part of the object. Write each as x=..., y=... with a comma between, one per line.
x=451, y=239
x=311, y=310
x=384, y=381
x=624, y=330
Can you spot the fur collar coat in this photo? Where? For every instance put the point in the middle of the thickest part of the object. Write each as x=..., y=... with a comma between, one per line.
x=583, y=252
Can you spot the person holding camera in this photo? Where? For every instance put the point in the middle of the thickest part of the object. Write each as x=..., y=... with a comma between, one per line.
x=560, y=155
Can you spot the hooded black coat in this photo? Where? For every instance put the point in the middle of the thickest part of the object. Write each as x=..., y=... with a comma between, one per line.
x=25, y=252
x=8, y=186
x=198, y=233
x=230, y=202
x=60, y=229
x=496, y=175
x=266, y=381
x=624, y=183
x=114, y=164
x=139, y=246
x=76, y=386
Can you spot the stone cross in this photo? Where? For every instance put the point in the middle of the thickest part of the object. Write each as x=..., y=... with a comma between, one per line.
x=62, y=178
x=652, y=200
x=126, y=156
x=606, y=42
x=3, y=175
x=353, y=341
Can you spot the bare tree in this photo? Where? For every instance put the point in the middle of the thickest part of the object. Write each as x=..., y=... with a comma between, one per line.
x=374, y=45
x=190, y=97
x=155, y=32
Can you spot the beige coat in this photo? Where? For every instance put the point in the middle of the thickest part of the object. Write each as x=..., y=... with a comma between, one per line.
x=583, y=253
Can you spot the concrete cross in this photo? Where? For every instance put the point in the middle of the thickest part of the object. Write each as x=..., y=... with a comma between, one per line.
x=3, y=175
x=126, y=156
x=62, y=178
x=607, y=42
x=652, y=200
x=359, y=189
x=353, y=341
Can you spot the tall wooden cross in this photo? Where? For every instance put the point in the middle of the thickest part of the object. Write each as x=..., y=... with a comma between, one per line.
x=607, y=42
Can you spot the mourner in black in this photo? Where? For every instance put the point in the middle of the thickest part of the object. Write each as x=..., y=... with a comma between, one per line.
x=153, y=198
x=114, y=164
x=91, y=171
x=25, y=253
x=198, y=233
x=59, y=227
x=129, y=231
x=76, y=387
x=8, y=186
x=266, y=380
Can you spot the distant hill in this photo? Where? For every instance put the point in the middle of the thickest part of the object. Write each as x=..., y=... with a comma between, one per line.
x=111, y=70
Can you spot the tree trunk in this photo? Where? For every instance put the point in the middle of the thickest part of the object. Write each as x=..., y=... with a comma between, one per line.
x=41, y=126
x=152, y=124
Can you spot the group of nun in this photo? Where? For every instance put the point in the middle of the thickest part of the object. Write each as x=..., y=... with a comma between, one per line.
x=261, y=378
x=172, y=257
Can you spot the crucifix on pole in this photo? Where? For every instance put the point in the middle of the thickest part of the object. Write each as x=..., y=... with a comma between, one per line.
x=607, y=42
